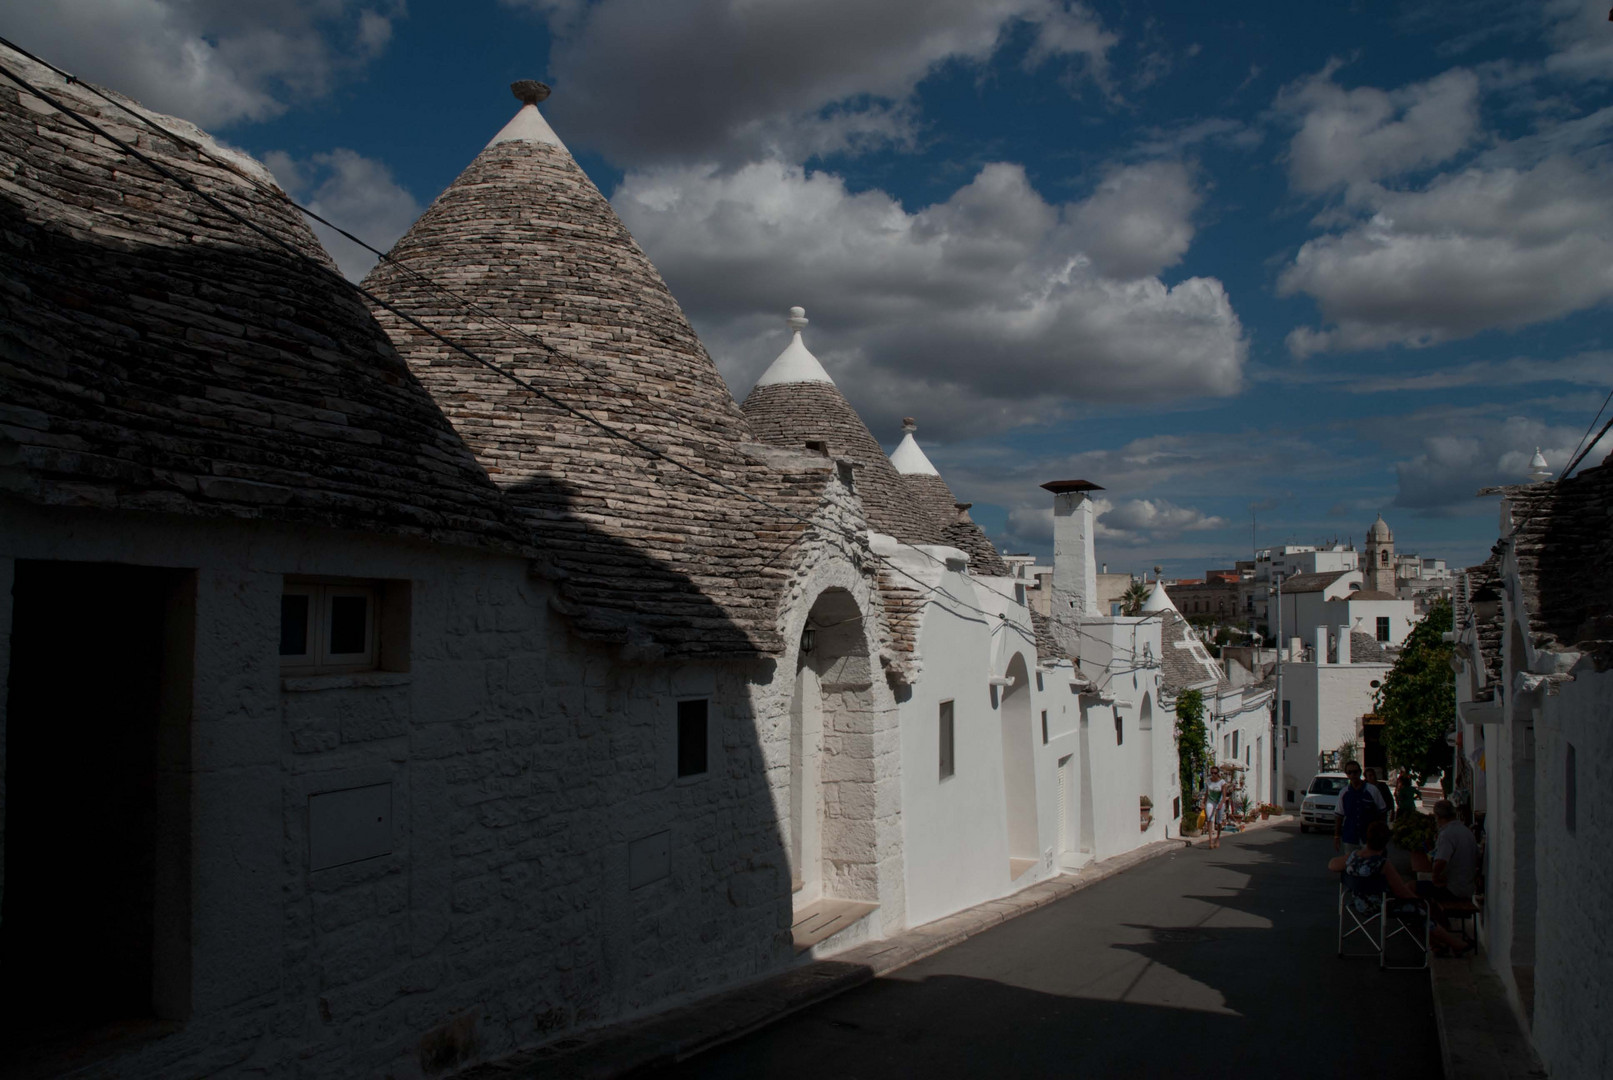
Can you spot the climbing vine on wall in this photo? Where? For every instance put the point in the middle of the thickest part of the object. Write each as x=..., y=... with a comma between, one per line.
x=1192, y=740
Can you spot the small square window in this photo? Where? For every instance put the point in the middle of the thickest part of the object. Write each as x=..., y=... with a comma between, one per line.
x=692, y=737
x=948, y=762
x=328, y=627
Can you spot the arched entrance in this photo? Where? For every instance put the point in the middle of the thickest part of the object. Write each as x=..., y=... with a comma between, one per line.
x=832, y=757
x=1019, y=767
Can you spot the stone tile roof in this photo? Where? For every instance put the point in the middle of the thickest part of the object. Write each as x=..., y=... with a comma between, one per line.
x=1365, y=649
x=1186, y=663
x=951, y=524
x=1370, y=594
x=1301, y=583
x=1486, y=575
x=642, y=550
x=795, y=413
x=1042, y=628
x=157, y=355
x=1563, y=547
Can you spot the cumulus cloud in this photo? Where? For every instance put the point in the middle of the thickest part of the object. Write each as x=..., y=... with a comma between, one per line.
x=1352, y=136
x=964, y=308
x=658, y=80
x=1138, y=521
x=1451, y=468
x=1473, y=250
x=1129, y=523
x=357, y=193
x=213, y=62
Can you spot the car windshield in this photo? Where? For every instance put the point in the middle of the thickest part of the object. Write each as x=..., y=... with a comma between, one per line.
x=1327, y=785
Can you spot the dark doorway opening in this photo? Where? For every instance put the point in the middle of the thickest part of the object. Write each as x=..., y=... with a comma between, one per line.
x=94, y=927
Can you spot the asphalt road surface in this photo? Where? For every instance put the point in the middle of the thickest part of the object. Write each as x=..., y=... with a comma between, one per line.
x=1198, y=963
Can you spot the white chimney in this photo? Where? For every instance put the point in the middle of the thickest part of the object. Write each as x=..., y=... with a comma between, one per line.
x=1344, y=644
x=1321, y=645
x=1075, y=565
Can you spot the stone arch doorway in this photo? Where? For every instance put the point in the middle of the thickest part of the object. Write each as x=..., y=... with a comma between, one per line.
x=1019, y=767
x=832, y=716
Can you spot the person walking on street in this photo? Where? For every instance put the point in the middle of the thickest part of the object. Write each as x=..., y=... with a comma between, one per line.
x=1405, y=795
x=1360, y=805
x=1215, y=801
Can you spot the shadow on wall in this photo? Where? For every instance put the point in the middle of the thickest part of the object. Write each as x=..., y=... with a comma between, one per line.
x=1250, y=982
x=543, y=930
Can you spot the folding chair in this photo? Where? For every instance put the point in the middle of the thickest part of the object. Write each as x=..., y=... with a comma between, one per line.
x=1375, y=926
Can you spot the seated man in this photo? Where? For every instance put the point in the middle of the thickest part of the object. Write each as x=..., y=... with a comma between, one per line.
x=1369, y=874
x=1455, y=858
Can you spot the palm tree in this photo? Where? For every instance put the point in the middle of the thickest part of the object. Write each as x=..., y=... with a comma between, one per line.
x=1133, y=599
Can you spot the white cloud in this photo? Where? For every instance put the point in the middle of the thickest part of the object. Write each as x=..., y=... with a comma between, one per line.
x=969, y=309
x=213, y=62
x=355, y=192
x=694, y=80
x=1579, y=31
x=1473, y=250
x=1139, y=521
x=1451, y=468
x=1353, y=136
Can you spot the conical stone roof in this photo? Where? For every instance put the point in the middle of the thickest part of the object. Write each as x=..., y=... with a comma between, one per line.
x=950, y=518
x=640, y=546
x=792, y=407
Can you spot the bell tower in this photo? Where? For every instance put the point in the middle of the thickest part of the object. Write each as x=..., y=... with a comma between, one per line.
x=1378, y=571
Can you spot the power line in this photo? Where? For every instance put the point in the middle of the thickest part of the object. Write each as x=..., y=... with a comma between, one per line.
x=538, y=392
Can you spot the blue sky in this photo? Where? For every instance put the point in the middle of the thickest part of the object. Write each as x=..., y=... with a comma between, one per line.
x=1305, y=262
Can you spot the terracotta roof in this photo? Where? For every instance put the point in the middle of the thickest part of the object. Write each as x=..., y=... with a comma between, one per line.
x=1563, y=548
x=793, y=414
x=640, y=548
x=157, y=355
x=1300, y=583
x=1370, y=594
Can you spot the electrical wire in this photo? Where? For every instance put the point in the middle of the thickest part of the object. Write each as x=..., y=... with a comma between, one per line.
x=925, y=589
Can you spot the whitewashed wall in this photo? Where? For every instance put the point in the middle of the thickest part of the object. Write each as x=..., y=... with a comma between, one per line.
x=1573, y=950
x=954, y=829
x=523, y=764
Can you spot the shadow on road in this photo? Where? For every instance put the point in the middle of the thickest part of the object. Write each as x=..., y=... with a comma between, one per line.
x=1196, y=964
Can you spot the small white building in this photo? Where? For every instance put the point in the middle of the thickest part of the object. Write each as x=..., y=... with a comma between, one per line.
x=1328, y=691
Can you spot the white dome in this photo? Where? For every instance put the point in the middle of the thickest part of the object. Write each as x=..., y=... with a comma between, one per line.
x=795, y=364
x=1158, y=600
x=909, y=458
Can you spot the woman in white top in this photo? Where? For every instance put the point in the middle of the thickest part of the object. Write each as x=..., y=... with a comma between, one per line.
x=1214, y=805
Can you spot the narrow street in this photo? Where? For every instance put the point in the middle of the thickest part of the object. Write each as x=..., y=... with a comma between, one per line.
x=1200, y=963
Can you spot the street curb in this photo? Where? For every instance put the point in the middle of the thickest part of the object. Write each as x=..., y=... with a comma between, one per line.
x=646, y=1043
x=1480, y=1035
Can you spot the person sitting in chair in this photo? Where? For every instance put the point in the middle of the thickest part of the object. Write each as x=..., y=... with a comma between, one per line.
x=1369, y=874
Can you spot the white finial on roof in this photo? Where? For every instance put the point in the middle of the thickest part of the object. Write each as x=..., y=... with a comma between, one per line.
x=907, y=457
x=1158, y=600
x=795, y=364
x=529, y=124
x=1538, y=472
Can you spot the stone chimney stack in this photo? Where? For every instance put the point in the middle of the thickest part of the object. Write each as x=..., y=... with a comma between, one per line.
x=1075, y=564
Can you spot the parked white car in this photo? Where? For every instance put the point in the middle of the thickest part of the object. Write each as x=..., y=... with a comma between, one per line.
x=1321, y=805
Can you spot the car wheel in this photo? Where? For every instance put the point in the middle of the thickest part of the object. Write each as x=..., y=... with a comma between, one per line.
x=1304, y=828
